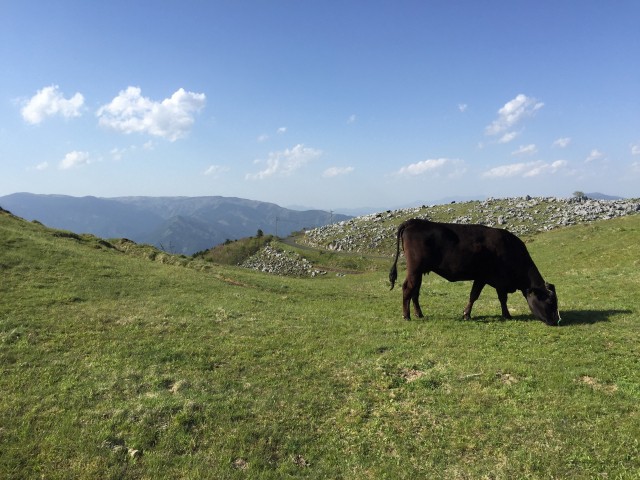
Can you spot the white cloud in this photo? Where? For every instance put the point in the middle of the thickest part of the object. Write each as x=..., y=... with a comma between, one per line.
x=462, y=107
x=285, y=162
x=337, y=171
x=50, y=101
x=562, y=142
x=542, y=167
x=171, y=118
x=265, y=136
x=436, y=166
x=525, y=169
x=504, y=171
x=74, y=159
x=423, y=166
x=525, y=150
x=594, y=155
x=118, y=153
x=635, y=149
x=513, y=112
x=507, y=137
x=40, y=167
x=216, y=170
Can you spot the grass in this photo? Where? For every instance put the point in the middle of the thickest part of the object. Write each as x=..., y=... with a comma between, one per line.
x=235, y=252
x=115, y=366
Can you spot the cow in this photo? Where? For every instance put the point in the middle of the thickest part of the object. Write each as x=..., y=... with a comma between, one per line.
x=485, y=255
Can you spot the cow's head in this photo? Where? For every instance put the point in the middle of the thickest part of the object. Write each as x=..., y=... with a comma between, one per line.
x=543, y=302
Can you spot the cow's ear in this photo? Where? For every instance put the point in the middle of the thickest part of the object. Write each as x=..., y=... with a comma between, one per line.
x=551, y=287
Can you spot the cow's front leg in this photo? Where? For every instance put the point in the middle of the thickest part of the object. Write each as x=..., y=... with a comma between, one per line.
x=476, y=289
x=502, y=296
x=416, y=295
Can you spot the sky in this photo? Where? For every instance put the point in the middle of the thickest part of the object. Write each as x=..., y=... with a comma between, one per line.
x=320, y=104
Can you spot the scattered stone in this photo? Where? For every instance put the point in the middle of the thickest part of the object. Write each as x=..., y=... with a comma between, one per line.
x=278, y=262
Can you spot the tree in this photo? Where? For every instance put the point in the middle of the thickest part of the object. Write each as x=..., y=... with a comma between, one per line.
x=260, y=233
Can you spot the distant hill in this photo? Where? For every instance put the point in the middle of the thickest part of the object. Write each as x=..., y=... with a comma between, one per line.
x=602, y=196
x=176, y=224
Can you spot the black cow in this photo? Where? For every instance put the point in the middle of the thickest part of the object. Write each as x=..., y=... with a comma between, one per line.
x=488, y=256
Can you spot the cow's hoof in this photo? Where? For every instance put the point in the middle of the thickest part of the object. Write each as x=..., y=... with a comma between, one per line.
x=406, y=318
x=466, y=316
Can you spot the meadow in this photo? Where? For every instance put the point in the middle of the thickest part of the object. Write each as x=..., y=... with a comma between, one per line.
x=128, y=363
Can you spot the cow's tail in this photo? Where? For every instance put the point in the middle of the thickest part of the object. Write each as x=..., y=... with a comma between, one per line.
x=393, y=274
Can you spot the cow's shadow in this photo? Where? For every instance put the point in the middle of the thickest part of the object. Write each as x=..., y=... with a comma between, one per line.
x=589, y=317
x=569, y=317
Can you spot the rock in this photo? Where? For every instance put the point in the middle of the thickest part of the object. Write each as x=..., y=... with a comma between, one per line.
x=270, y=260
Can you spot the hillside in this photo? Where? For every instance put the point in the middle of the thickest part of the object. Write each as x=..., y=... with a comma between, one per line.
x=523, y=216
x=374, y=236
x=121, y=361
x=175, y=224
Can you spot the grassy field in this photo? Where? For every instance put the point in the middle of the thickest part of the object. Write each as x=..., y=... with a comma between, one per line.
x=142, y=365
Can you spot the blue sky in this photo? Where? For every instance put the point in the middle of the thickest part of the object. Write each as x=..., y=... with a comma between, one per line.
x=327, y=104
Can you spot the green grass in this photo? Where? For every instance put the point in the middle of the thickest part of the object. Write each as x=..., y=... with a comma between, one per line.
x=115, y=366
x=235, y=252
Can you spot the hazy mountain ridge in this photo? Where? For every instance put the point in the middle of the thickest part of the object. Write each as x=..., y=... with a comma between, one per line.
x=177, y=224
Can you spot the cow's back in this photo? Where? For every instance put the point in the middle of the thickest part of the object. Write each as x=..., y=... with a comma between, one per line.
x=466, y=252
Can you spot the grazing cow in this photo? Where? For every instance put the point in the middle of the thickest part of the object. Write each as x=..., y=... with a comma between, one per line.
x=488, y=256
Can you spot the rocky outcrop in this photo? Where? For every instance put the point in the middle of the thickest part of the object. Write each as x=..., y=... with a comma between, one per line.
x=280, y=262
x=522, y=216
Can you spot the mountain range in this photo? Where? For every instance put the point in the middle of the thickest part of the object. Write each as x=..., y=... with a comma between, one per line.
x=183, y=225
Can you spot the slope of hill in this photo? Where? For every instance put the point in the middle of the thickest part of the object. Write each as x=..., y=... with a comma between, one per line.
x=522, y=216
x=177, y=224
x=116, y=366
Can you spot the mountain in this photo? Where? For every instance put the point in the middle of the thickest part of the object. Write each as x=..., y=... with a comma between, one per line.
x=176, y=224
x=602, y=196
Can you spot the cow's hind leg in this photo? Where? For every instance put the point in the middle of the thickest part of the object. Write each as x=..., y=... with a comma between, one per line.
x=473, y=296
x=410, y=292
x=502, y=296
x=416, y=294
